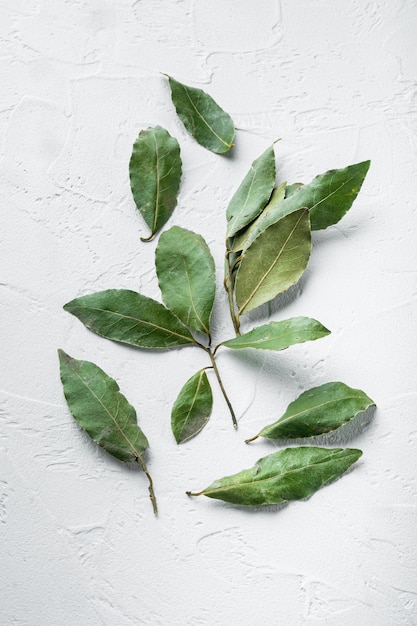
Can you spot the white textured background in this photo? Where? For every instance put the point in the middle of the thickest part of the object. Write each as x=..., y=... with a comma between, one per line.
x=337, y=81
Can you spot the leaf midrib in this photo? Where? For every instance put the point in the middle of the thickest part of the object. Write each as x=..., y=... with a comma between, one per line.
x=192, y=403
x=130, y=317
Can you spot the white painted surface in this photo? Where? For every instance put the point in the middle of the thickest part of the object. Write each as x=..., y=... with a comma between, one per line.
x=80, y=546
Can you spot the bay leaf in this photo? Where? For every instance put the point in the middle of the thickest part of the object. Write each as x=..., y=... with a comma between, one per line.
x=241, y=239
x=274, y=261
x=328, y=197
x=279, y=335
x=253, y=193
x=203, y=118
x=317, y=411
x=129, y=317
x=192, y=408
x=289, y=474
x=290, y=189
x=97, y=405
x=186, y=276
x=155, y=173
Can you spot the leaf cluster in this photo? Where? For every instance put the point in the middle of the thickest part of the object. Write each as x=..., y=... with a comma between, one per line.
x=268, y=246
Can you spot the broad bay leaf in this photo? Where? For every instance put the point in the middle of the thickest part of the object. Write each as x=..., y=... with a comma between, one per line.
x=212, y=127
x=97, y=405
x=328, y=197
x=192, y=408
x=290, y=474
x=317, y=411
x=279, y=335
x=290, y=189
x=155, y=173
x=241, y=239
x=274, y=261
x=186, y=276
x=253, y=193
x=129, y=317
x=100, y=409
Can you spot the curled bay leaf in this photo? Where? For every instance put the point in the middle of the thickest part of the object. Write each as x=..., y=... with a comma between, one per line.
x=274, y=261
x=97, y=405
x=129, y=317
x=186, y=276
x=289, y=474
x=253, y=193
x=192, y=408
x=318, y=411
x=155, y=173
x=203, y=118
x=279, y=335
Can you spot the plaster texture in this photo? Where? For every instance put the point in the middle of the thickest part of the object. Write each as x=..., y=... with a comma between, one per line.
x=337, y=81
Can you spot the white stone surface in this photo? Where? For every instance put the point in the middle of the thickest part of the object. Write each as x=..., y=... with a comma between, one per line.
x=337, y=81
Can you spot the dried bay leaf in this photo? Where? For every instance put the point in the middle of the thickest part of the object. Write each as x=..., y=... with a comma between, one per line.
x=186, y=276
x=318, y=411
x=289, y=474
x=103, y=412
x=192, y=408
x=203, y=118
x=253, y=193
x=129, y=317
x=279, y=335
x=274, y=261
x=155, y=173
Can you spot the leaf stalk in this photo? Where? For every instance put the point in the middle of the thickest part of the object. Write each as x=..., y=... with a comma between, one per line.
x=142, y=463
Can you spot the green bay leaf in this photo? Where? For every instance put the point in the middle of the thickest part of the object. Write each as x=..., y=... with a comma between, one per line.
x=289, y=474
x=100, y=409
x=129, y=317
x=186, y=276
x=192, y=408
x=279, y=335
x=274, y=261
x=328, y=197
x=318, y=411
x=155, y=173
x=253, y=193
x=97, y=405
x=203, y=118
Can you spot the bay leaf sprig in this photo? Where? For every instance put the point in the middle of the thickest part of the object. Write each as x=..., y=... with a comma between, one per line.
x=97, y=405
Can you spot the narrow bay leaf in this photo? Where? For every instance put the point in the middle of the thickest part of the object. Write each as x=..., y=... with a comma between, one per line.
x=129, y=317
x=241, y=239
x=274, y=261
x=155, y=173
x=328, y=197
x=203, y=118
x=186, y=276
x=192, y=408
x=317, y=411
x=253, y=193
x=289, y=474
x=279, y=335
x=97, y=405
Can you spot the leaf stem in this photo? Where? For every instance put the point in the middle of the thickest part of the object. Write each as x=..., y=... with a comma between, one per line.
x=142, y=463
x=216, y=371
x=189, y=493
x=229, y=288
x=251, y=439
